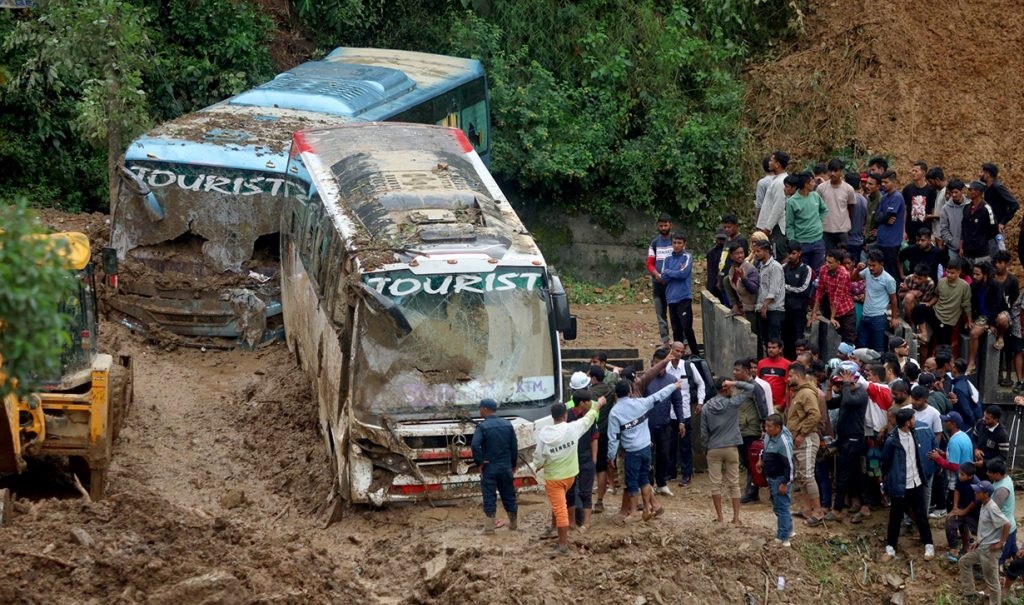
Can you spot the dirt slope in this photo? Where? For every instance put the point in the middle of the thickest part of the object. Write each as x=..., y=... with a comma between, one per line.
x=938, y=81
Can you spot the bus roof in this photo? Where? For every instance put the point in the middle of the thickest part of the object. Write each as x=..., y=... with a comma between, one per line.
x=350, y=84
x=419, y=188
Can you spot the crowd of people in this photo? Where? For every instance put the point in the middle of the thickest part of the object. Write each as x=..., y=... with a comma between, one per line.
x=833, y=436
x=858, y=251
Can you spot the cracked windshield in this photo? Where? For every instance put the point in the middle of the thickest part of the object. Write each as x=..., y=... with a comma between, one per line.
x=469, y=336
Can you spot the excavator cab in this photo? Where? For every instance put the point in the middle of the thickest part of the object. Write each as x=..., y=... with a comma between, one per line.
x=79, y=413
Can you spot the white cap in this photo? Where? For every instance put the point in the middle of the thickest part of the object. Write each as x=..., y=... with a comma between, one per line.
x=579, y=380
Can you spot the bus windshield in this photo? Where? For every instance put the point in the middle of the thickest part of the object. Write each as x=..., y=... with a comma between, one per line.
x=464, y=337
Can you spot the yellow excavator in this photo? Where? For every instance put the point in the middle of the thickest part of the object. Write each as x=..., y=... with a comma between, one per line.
x=78, y=414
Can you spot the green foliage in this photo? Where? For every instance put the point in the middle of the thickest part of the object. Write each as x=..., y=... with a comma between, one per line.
x=118, y=63
x=205, y=52
x=33, y=330
x=624, y=292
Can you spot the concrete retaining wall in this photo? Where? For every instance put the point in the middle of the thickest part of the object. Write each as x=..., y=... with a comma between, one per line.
x=726, y=338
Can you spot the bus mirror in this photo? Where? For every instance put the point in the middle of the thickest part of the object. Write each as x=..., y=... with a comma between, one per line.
x=382, y=305
x=569, y=332
x=560, y=301
x=139, y=187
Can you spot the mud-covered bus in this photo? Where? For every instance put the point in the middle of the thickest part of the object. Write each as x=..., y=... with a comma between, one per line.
x=411, y=290
x=196, y=220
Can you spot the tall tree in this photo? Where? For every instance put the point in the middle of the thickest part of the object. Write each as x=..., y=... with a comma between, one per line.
x=94, y=51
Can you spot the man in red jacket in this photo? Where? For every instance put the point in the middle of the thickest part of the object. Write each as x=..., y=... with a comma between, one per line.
x=774, y=370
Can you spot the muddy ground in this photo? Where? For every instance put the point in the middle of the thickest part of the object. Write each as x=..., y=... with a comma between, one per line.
x=218, y=494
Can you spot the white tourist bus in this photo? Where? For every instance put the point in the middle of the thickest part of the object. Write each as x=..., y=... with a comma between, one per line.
x=410, y=291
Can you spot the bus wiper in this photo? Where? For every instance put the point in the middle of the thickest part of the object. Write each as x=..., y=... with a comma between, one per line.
x=380, y=304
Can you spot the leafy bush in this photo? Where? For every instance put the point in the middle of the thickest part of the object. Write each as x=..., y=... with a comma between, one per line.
x=33, y=330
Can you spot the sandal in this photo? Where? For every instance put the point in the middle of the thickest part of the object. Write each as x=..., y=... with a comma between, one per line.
x=813, y=521
x=599, y=507
x=499, y=523
x=857, y=518
x=659, y=511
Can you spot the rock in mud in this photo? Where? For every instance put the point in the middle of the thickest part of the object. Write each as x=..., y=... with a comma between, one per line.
x=82, y=537
x=232, y=499
x=214, y=588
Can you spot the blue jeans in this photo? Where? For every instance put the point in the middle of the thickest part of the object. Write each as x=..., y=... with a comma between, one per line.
x=871, y=332
x=498, y=480
x=780, y=506
x=823, y=475
x=813, y=254
x=1010, y=548
x=638, y=470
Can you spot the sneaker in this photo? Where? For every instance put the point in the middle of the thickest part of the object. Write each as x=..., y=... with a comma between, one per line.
x=929, y=551
x=599, y=507
x=890, y=553
x=938, y=513
x=786, y=543
x=663, y=491
x=950, y=557
x=832, y=517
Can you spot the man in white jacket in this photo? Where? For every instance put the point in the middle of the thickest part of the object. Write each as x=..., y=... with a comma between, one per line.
x=556, y=454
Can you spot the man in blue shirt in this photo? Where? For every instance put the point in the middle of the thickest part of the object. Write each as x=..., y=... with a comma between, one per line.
x=495, y=451
x=657, y=252
x=890, y=219
x=677, y=272
x=879, y=292
x=627, y=423
x=660, y=423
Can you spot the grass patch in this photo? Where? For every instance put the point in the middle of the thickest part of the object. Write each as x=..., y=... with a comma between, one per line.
x=625, y=292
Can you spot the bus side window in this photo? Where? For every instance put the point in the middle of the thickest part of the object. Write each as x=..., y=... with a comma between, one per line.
x=339, y=284
x=320, y=253
x=312, y=219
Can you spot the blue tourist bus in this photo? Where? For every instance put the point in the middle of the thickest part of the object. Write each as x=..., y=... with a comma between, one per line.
x=197, y=215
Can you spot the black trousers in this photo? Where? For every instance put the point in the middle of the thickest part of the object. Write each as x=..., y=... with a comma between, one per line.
x=681, y=315
x=794, y=327
x=849, y=470
x=661, y=438
x=911, y=502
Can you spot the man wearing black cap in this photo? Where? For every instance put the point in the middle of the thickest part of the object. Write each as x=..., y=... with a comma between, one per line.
x=495, y=451
x=901, y=348
x=980, y=226
x=993, y=531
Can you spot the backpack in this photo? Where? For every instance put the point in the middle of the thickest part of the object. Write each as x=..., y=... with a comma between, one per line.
x=698, y=365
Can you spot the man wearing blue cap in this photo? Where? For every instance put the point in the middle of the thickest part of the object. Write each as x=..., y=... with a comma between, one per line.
x=993, y=531
x=495, y=451
x=959, y=449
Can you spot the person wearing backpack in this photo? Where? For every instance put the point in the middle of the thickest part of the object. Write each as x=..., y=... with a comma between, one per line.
x=693, y=394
